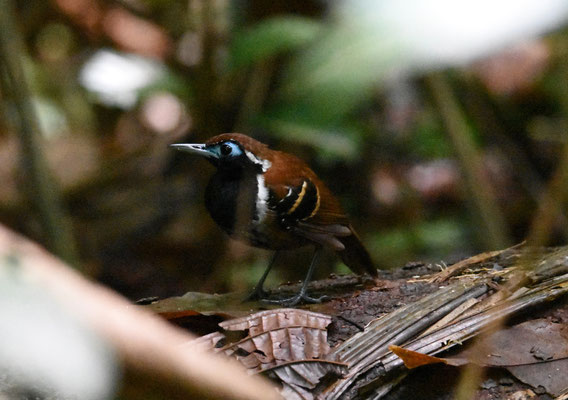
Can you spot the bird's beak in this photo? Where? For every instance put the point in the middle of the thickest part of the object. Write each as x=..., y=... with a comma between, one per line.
x=197, y=148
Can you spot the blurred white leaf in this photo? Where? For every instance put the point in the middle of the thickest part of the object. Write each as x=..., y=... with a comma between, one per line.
x=368, y=41
x=46, y=351
x=447, y=32
x=117, y=78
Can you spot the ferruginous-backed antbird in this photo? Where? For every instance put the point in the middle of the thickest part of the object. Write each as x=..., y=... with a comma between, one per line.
x=273, y=200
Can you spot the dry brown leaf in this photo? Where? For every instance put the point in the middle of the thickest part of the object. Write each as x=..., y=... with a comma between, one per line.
x=194, y=304
x=550, y=375
x=199, y=313
x=274, y=319
x=535, y=352
x=288, y=345
x=533, y=342
x=278, y=346
x=414, y=359
x=274, y=337
x=530, y=342
x=208, y=342
x=304, y=380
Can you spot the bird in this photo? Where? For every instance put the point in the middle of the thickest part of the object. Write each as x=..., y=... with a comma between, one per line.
x=273, y=200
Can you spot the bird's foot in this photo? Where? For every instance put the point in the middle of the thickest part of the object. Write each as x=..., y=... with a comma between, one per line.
x=294, y=300
x=258, y=293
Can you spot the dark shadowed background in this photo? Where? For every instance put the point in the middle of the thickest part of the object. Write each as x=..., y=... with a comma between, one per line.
x=441, y=134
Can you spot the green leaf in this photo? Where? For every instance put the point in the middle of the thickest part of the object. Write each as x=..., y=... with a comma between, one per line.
x=271, y=37
x=332, y=141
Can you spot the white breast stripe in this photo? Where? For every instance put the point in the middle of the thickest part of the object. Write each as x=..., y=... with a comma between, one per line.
x=265, y=163
x=262, y=198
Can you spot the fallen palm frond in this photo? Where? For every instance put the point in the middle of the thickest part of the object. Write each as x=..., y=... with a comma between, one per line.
x=367, y=354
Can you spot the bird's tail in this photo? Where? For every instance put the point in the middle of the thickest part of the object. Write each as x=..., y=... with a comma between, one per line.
x=355, y=256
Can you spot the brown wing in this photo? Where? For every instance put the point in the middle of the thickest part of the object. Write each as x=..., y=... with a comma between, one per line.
x=309, y=209
x=302, y=192
x=303, y=203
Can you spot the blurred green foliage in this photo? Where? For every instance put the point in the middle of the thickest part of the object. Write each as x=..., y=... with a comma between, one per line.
x=271, y=38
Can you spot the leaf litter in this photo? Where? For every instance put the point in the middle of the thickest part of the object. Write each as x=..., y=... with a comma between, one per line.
x=292, y=346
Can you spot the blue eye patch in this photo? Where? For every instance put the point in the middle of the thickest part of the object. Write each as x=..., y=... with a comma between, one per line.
x=225, y=150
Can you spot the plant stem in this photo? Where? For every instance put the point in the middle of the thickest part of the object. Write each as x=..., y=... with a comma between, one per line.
x=39, y=185
x=494, y=232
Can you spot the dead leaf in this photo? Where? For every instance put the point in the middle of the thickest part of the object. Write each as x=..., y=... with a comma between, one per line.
x=274, y=319
x=225, y=305
x=199, y=313
x=288, y=345
x=278, y=346
x=530, y=342
x=275, y=337
x=304, y=380
x=414, y=359
x=550, y=375
x=535, y=352
x=208, y=342
x=278, y=336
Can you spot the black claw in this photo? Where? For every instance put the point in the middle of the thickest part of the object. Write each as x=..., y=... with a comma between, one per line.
x=294, y=300
x=259, y=294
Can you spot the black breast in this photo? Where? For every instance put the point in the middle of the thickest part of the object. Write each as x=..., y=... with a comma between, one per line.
x=231, y=201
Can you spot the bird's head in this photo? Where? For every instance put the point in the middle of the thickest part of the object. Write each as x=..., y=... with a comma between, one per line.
x=231, y=151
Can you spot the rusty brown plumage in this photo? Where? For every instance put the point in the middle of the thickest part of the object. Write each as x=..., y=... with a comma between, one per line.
x=323, y=222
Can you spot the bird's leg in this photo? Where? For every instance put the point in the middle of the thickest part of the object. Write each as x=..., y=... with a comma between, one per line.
x=302, y=294
x=258, y=293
